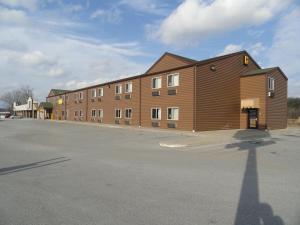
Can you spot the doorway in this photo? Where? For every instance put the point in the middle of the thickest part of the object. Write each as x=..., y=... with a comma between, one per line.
x=252, y=118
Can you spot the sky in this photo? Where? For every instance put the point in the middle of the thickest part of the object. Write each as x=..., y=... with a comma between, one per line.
x=71, y=44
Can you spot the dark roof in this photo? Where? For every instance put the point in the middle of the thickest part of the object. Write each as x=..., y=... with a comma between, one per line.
x=263, y=71
x=59, y=91
x=46, y=105
x=182, y=58
x=194, y=63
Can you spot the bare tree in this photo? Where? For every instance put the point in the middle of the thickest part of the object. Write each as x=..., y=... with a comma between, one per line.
x=19, y=95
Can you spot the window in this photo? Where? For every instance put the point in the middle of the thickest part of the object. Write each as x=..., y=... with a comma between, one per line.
x=67, y=113
x=118, y=113
x=80, y=95
x=94, y=93
x=100, y=92
x=81, y=113
x=128, y=113
x=156, y=82
x=173, y=113
x=76, y=113
x=271, y=83
x=118, y=89
x=67, y=98
x=155, y=113
x=173, y=80
x=128, y=87
x=93, y=113
x=63, y=113
x=76, y=96
x=100, y=113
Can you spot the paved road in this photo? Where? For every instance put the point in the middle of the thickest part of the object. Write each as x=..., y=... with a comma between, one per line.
x=54, y=173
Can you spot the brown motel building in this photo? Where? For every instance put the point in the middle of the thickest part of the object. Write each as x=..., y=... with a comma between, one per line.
x=225, y=92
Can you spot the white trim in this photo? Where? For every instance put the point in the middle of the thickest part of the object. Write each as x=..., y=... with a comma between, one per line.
x=92, y=113
x=272, y=79
x=130, y=82
x=158, y=77
x=173, y=107
x=172, y=74
x=125, y=113
x=102, y=113
x=94, y=93
x=101, y=92
x=159, y=117
x=120, y=89
x=120, y=113
x=81, y=111
x=81, y=93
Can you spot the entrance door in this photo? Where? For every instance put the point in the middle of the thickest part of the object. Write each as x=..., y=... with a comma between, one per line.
x=252, y=118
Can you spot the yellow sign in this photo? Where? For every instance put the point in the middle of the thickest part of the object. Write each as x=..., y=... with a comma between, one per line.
x=246, y=60
x=60, y=101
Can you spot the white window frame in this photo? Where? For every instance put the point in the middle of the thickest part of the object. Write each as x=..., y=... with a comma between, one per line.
x=76, y=113
x=81, y=95
x=130, y=113
x=100, y=115
x=81, y=113
x=95, y=111
x=170, y=75
x=271, y=84
x=120, y=89
x=100, y=92
x=159, y=78
x=76, y=96
x=120, y=113
x=159, y=115
x=174, y=119
x=94, y=93
x=128, y=91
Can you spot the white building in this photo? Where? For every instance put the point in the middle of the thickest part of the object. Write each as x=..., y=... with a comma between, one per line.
x=28, y=110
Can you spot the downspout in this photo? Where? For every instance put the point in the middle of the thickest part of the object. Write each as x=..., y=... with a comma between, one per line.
x=87, y=102
x=194, y=100
x=140, y=103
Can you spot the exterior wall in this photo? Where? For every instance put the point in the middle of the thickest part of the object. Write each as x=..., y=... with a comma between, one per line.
x=165, y=63
x=57, y=108
x=183, y=99
x=254, y=87
x=277, y=105
x=218, y=93
x=108, y=103
x=75, y=104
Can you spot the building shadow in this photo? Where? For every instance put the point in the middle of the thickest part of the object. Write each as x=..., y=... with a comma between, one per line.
x=19, y=168
x=250, y=210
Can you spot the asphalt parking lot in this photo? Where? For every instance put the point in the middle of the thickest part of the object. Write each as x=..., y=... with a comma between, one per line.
x=54, y=173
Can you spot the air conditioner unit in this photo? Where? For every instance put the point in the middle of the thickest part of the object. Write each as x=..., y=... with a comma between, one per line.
x=92, y=100
x=99, y=99
x=271, y=94
x=100, y=120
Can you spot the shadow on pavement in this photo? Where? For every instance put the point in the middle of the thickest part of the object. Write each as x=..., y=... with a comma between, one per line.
x=250, y=211
x=19, y=168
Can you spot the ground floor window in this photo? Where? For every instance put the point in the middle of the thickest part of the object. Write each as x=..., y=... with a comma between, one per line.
x=118, y=113
x=173, y=113
x=155, y=113
x=128, y=113
x=100, y=113
x=93, y=113
x=76, y=113
x=81, y=113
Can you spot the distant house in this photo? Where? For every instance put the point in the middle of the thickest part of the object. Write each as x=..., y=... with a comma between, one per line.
x=28, y=110
x=4, y=113
x=44, y=110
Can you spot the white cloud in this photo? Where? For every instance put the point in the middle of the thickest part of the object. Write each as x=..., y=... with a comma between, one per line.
x=111, y=15
x=146, y=6
x=26, y=4
x=197, y=19
x=256, y=48
x=12, y=16
x=285, y=50
x=231, y=48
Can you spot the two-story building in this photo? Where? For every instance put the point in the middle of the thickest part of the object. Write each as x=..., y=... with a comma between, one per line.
x=225, y=92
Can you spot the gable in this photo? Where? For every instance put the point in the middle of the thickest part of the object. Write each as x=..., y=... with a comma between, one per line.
x=169, y=61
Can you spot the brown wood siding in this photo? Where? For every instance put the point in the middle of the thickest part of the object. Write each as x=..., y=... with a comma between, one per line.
x=277, y=106
x=254, y=87
x=108, y=103
x=218, y=93
x=183, y=99
x=165, y=63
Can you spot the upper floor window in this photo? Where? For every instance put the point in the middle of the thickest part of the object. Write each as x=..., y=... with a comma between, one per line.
x=118, y=89
x=271, y=83
x=173, y=80
x=156, y=82
x=94, y=93
x=173, y=113
x=76, y=96
x=118, y=113
x=128, y=113
x=93, y=113
x=100, y=92
x=155, y=113
x=128, y=87
x=80, y=95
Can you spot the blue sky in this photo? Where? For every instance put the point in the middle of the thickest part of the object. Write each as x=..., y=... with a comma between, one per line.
x=70, y=44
